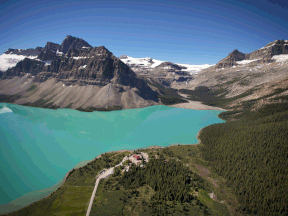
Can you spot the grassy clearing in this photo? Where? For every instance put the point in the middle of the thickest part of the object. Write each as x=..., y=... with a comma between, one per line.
x=73, y=196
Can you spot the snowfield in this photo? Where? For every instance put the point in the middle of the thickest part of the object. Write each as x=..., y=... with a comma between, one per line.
x=280, y=58
x=246, y=61
x=147, y=62
x=151, y=63
x=194, y=68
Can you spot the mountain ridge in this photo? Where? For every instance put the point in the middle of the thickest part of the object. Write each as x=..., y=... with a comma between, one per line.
x=145, y=81
x=263, y=55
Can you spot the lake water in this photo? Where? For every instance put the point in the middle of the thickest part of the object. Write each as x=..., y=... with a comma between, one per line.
x=39, y=146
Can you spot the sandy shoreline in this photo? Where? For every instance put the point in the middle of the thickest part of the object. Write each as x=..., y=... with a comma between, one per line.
x=196, y=105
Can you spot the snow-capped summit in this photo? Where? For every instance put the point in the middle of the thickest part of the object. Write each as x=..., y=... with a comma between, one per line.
x=45, y=54
x=150, y=63
x=141, y=62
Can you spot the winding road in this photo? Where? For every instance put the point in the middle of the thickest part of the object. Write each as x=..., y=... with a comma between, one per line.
x=98, y=178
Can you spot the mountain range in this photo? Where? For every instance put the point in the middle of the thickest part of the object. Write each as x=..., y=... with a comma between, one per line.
x=79, y=76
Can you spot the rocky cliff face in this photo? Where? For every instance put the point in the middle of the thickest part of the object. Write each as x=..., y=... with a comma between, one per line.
x=52, y=47
x=78, y=65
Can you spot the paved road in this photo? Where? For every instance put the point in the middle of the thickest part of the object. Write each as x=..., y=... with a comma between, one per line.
x=103, y=175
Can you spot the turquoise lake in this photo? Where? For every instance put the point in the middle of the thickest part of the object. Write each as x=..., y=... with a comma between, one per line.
x=39, y=146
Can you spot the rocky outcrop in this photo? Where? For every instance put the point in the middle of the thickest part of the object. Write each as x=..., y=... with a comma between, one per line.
x=123, y=57
x=47, y=55
x=231, y=59
x=52, y=47
x=170, y=65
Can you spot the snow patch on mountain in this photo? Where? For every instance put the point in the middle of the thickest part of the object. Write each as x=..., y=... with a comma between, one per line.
x=146, y=62
x=266, y=47
x=58, y=53
x=10, y=60
x=156, y=63
x=280, y=58
x=47, y=62
x=194, y=68
x=80, y=57
x=150, y=63
x=83, y=66
x=246, y=61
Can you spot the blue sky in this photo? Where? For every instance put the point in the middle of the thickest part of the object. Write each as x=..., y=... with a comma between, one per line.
x=193, y=32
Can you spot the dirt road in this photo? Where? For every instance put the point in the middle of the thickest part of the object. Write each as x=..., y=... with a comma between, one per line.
x=98, y=178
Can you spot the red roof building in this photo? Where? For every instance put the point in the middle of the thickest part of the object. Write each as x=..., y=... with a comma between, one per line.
x=137, y=157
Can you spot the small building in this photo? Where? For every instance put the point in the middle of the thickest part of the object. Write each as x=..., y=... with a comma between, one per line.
x=137, y=157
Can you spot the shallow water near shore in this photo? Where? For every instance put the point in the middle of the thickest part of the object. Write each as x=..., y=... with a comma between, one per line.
x=39, y=146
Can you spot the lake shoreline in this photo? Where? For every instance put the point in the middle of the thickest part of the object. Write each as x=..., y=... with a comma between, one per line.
x=194, y=105
x=84, y=163
x=23, y=201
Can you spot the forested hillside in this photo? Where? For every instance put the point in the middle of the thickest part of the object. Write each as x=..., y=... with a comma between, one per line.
x=252, y=155
x=164, y=187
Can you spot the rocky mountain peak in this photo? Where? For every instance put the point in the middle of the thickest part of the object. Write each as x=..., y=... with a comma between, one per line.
x=103, y=50
x=236, y=55
x=170, y=65
x=73, y=42
x=231, y=59
x=123, y=57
